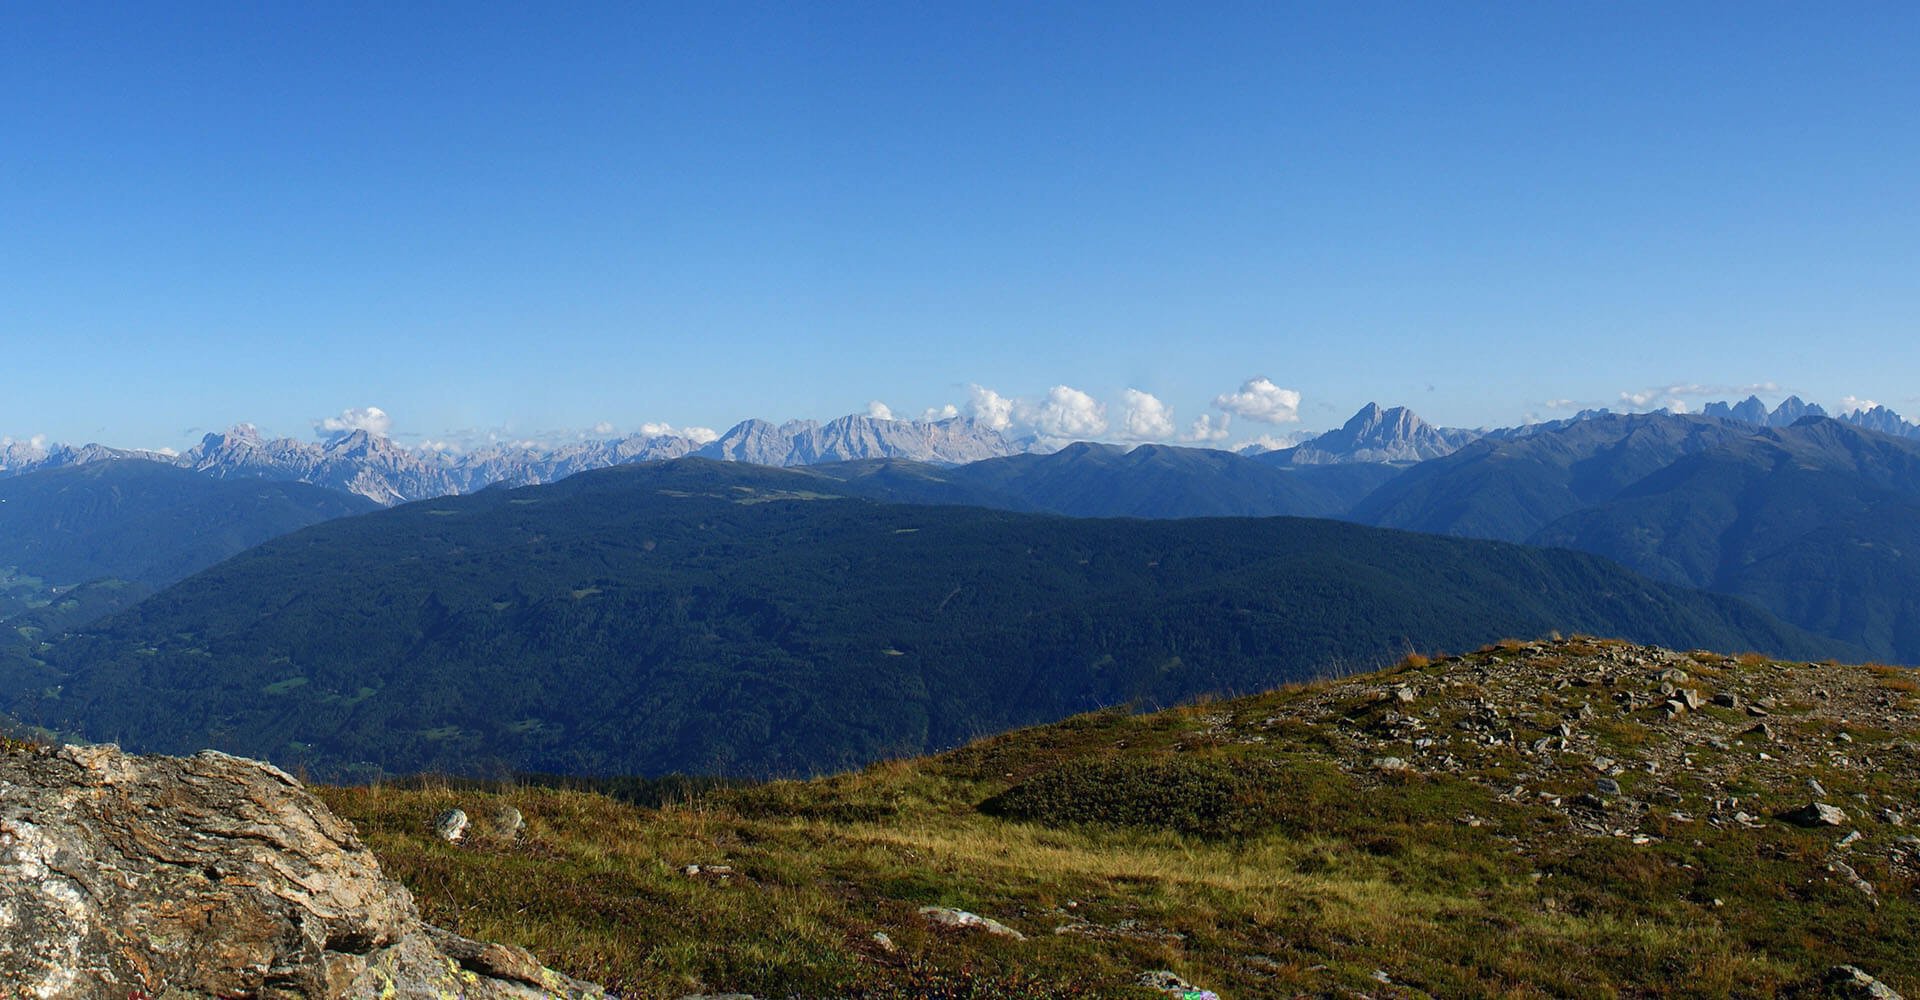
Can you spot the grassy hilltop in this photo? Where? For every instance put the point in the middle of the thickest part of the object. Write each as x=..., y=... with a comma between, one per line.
x=1576, y=818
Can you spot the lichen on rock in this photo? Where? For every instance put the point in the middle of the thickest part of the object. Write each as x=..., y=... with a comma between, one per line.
x=213, y=876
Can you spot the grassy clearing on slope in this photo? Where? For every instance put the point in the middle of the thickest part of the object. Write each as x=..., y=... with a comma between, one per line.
x=1232, y=843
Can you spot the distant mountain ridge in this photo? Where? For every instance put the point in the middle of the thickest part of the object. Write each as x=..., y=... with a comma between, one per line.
x=1793, y=409
x=387, y=473
x=953, y=441
x=1818, y=521
x=78, y=541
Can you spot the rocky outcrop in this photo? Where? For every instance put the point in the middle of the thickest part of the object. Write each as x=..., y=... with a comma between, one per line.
x=213, y=876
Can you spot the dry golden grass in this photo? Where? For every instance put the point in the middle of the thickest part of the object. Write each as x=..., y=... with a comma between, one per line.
x=1349, y=876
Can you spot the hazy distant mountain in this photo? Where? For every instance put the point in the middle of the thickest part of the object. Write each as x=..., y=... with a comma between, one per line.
x=377, y=468
x=387, y=473
x=1752, y=411
x=1509, y=488
x=139, y=524
x=1792, y=409
x=1882, y=420
x=17, y=457
x=1818, y=522
x=1376, y=435
x=954, y=441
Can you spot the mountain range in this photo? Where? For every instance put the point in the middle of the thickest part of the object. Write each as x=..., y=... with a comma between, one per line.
x=381, y=470
x=375, y=467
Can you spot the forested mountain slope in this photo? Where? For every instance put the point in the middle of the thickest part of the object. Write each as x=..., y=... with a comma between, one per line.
x=722, y=618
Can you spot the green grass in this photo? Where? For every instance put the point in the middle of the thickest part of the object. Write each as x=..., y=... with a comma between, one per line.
x=1119, y=844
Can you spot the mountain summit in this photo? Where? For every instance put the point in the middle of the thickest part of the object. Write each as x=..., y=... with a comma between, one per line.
x=1377, y=435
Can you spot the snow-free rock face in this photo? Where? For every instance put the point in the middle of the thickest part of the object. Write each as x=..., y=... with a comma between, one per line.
x=954, y=441
x=1752, y=411
x=1379, y=435
x=213, y=876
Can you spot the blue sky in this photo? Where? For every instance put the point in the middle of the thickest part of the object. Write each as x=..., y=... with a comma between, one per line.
x=546, y=217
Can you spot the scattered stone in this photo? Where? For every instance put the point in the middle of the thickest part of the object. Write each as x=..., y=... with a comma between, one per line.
x=1391, y=764
x=1671, y=675
x=1607, y=786
x=1816, y=814
x=886, y=943
x=1761, y=730
x=1727, y=699
x=1814, y=786
x=1850, y=982
x=1845, y=871
x=1404, y=693
x=941, y=916
x=1849, y=840
x=1174, y=986
x=507, y=822
x=1691, y=698
x=451, y=825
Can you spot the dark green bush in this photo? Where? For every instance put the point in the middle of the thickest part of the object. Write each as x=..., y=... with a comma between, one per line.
x=1210, y=797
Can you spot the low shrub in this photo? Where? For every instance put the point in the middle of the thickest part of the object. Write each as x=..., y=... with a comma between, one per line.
x=1211, y=797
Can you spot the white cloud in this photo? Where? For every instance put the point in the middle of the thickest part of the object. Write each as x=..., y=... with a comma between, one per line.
x=1262, y=401
x=1673, y=398
x=947, y=412
x=371, y=419
x=1854, y=404
x=698, y=435
x=1145, y=417
x=1275, y=442
x=879, y=411
x=1205, y=429
x=36, y=443
x=603, y=428
x=1068, y=414
x=989, y=408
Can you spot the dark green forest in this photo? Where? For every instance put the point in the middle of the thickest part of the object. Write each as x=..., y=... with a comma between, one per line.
x=713, y=618
x=135, y=526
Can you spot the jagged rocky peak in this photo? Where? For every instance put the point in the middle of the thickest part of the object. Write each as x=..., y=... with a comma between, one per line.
x=1752, y=411
x=954, y=441
x=214, y=876
x=1883, y=420
x=1380, y=434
